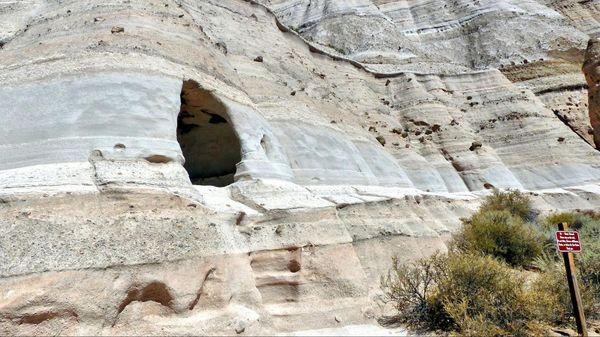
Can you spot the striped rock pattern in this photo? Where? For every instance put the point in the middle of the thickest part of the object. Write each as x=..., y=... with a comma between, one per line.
x=250, y=167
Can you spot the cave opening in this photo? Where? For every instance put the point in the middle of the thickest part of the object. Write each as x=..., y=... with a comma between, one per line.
x=208, y=141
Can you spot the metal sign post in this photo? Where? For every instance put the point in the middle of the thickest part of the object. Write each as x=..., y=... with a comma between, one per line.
x=568, y=243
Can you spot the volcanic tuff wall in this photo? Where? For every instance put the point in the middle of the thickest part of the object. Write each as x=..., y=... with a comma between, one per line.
x=591, y=68
x=365, y=129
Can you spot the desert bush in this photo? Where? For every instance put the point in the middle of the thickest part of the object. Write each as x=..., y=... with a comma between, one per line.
x=552, y=298
x=552, y=220
x=547, y=260
x=515, y=202
x=588, y=226
x=485, y=297
x=574, y=219
x=477, y=289
x=588, y=260
x=499, y=234
x=408, y=288
x=471, y=294
x=589, y=267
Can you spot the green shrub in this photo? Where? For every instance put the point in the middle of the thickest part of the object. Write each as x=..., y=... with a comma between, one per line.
x=480, y=296
x=547, y=260
x=588, y=226
x=589, y=258
x=484, y=297
x=501, y=235
x=589, y=266
x=408, y=288
x=472, y=294
x=474, y=291
x=575, y=220
x=554, y=219
x=514, y=202
x=552, y=298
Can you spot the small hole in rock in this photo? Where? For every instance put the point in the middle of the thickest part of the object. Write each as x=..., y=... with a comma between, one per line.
x=41, y=317
x=155, y=291
x=159, y=159
x=294, y=266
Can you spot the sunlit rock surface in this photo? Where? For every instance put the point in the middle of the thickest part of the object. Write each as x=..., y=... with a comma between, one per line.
x=591, y=68
x=241, y=167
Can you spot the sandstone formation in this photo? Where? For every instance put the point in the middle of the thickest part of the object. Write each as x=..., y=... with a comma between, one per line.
x=591, y=68
x=249, y=167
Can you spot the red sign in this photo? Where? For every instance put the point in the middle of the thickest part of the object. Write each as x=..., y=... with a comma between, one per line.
x=568, y=242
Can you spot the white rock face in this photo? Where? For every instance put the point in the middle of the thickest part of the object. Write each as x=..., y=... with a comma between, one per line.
x=440, y=33
x=352, y=130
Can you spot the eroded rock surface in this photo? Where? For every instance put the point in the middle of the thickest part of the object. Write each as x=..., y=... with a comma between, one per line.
x=591, y=68
x=344, y=132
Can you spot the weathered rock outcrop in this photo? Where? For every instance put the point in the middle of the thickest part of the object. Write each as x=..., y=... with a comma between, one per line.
x=451, y=35
x=581, y=14
x=591, y=68
x=344, y=132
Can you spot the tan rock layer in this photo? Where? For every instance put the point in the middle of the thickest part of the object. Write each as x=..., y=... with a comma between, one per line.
x=591, y=69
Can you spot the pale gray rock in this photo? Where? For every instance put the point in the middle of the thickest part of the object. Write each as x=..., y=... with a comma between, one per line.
x=582, y=14
x=423, y=35
x=105, y=138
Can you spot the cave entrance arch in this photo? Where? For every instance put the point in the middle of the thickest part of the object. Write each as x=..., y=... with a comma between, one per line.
x=209, y=144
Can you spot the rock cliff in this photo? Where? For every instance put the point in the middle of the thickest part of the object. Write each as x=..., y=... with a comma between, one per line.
x=249, y=167
x=591, y=68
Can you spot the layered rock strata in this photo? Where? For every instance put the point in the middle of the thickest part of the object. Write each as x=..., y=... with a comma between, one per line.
x=591, y=68
x=343, y=132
